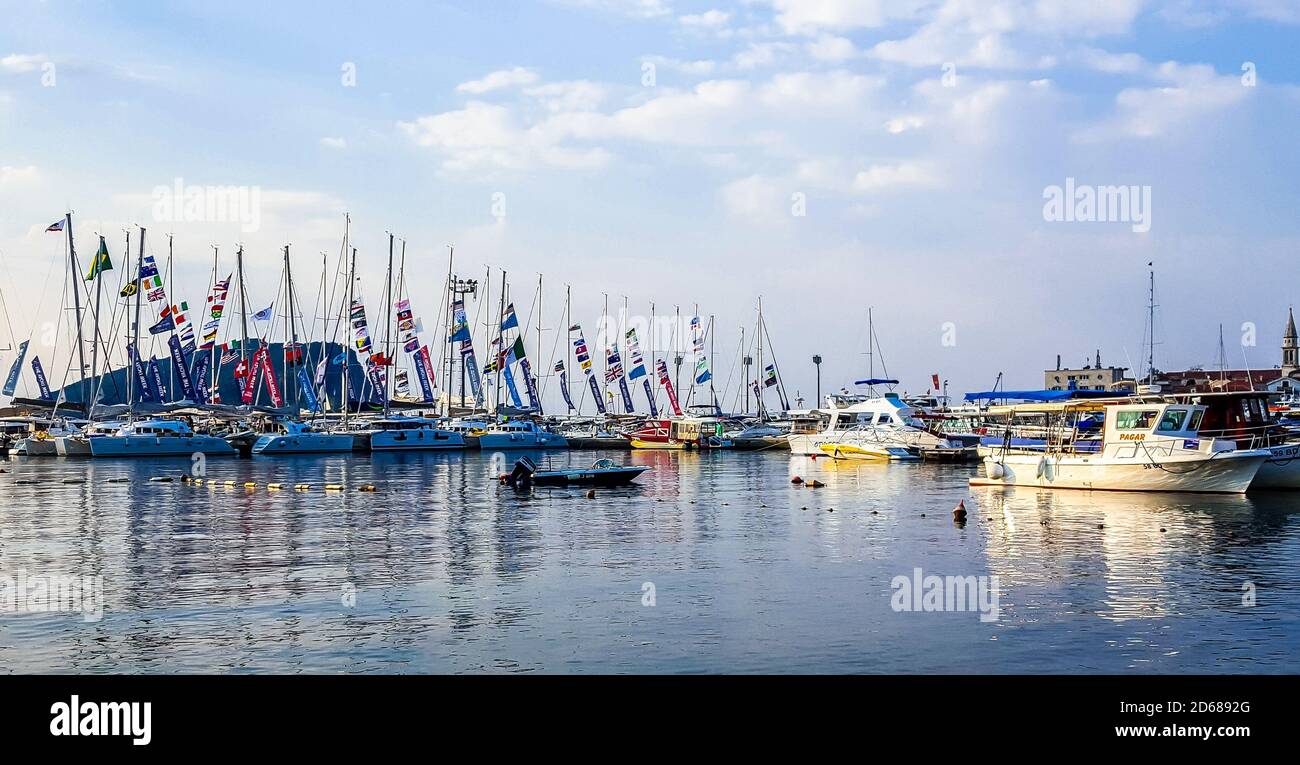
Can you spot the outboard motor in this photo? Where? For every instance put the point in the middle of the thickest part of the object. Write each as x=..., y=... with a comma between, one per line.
x=522, y=476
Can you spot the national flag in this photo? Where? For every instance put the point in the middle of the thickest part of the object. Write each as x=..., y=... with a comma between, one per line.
x=228, y=357
x=264, y=314
x=576, y=328
x=517, y=350
x=101, y=261
x=510, y=321
x=559, y=366
x=130, y=289
x=56, y=226
x=935, y=380
x=150, y=281
x=769, y=376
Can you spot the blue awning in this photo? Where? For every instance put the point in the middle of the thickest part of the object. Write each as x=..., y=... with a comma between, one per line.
x=1039, y=395
x=875, y=381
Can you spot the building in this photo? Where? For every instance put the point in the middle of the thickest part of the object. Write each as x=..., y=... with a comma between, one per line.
x=1089, y=377
x=1283, y=380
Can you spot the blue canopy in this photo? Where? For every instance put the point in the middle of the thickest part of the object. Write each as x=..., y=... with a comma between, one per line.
x=875, y=381
x=1038, y=395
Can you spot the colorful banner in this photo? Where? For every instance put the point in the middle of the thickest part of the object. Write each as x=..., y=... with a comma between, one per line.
x=11, y=382
x=530, y=384
x=268, y=371
x=216, y=306
x=650, y=396
x=662, y=367
x=424, y=373
x=250, y=377
x=307, y=392
x=510, y=385
x=141, y=377
x=564, y=385
x=702, y=373
x=155, y=375
x=584, y=362
x=634, y=356
x=181, y=369
x=200, y=381
x=183, y=327
x=360, y=331
x=150, y=281
x=41, y=382
x=627, y=395
x=376, y=375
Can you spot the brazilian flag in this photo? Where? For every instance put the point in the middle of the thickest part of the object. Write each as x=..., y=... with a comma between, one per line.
x=100, y=263
x=129, y=290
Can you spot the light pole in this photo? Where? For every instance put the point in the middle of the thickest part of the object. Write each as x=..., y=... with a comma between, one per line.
x=817, y=360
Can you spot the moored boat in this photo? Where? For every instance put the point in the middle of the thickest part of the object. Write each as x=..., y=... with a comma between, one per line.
x=158, y=438
x=412, y=434
x=603, y=472
x=297, y=437
x=520, y=434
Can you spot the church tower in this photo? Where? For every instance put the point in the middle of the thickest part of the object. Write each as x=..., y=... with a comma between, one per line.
x=1290, y=347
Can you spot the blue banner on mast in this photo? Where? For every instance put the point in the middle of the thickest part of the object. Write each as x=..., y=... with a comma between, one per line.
x=307, y=391
x=201, y=375
x=182, y=369
x=141, y=376
x=595, y=393
x=11, y=382
x=41, y=382
x=530, y=384
x=510, y=385
x=627, y=395
x=650, y=396
x=159, y=388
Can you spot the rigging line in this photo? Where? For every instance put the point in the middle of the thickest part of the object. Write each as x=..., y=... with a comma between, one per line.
x=546, y=379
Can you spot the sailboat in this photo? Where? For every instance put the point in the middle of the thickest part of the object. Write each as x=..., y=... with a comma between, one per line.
x=399, y=432
x=289, y=435
x=153, y=437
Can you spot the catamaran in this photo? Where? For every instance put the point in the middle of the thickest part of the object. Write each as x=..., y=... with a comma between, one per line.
x=291, y=436
x=1144, y=447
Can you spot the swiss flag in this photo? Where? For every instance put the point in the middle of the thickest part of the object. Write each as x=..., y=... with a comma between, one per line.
x=241, y=369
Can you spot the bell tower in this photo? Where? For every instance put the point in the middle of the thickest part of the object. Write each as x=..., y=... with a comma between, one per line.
x=1290, y=347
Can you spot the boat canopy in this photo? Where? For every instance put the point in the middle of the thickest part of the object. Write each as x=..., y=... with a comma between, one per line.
x=875, y=381
x=1037, y=395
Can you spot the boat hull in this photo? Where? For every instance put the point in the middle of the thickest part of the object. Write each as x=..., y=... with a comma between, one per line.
x=72, y=446
x=759, y=443
x=598, y=442
x=159, y=446
x=303, y=443
x=36, y=447
x=1281, y=470
x=594, y=477
x=418, y=439
x=521, y=440
x=660, y=445
x=882, y=453
x=1226, y=473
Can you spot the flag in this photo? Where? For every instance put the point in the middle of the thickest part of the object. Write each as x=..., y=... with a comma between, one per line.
x=662, y=367
x=228, y=357
x=216, y=306
x=130, y=289
x=698, y=337
x=702, y=373
x=183, y=327
x=935, y=380
x=320, y=371
x=769, y=376
x=306, y=392
x=56, y=226
x=517, y=350
x=100, y=263
x=11, y=382
x=41, y=383
x=264, y=314
x=180, y=368
x=167, y=322
x=460, y=324
x=510, y=321
x=634, y=355
x=200, y=379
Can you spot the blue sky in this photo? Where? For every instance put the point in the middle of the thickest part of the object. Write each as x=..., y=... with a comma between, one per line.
x=923, y=193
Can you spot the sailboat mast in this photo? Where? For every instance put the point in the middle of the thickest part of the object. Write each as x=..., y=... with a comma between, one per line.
x=135, y=335
x=568, y=340
x=604, y=391
x=171, y=296
x=243, y=309
x=762, y=372
x=292, y=332
x=501, y=341
x=537, y=385
x=344, y=388
x=76, y=302
x=713, y=394
x=388, y=329
x=1151, y=320
x=450, y=298
x=214, y=373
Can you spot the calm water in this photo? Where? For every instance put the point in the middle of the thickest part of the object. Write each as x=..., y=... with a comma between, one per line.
x=452, y=573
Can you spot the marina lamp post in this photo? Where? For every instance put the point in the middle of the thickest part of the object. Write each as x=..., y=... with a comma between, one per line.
x=817, y=360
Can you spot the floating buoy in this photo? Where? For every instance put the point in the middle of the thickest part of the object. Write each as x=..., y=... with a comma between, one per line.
x=815, y=484
x=301, y=486
x=250, y=484
x=922, y=515
x=1162, y=529
x=805, y=507
x=333, y=487
x=230, y=483
x=796, y=480
x=367, y=487
x=273, y=486
x=591, y=493
x=118, y=480
x=1101, y=525
x=959, y=512
x=82, y=480
x=875, y=512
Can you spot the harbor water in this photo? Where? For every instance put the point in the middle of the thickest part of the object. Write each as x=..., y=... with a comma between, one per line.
x=712, y=562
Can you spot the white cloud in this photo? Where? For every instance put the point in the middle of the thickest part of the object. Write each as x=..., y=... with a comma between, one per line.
x=699, y=68
x=17, y=177
x=331, y=142
x=1188, y=93
x=812, y=16
x=504, y=78
x=488, y=135
x=905, y=123
x=713, y=19
x=568, y=96
x=899, y=175
x=755, y=198
x=832, y=48
x=20, y=63
x=637, y=9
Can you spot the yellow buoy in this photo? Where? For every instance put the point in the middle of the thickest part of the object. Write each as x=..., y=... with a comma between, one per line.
x=301, y=486
x=367, y=487
x=198, y=481
x=273, y=487
x=230, y=483
x=333, y=487
x=250, y=484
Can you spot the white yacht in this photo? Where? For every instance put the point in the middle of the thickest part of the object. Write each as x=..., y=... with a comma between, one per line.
x=863, y=428
x=1144, y=447
x=412, y=434
x=520, y=434
x=158, y=438
x=296, y=437
x=78, y=444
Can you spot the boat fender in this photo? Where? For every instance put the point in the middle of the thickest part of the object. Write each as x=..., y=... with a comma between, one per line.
x=333, y=487
x=250, y=485
x=230, y=483
x=1042, y=467
x=994, y=470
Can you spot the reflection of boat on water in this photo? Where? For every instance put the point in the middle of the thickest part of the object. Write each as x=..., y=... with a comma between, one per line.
x=1144, y=447
x=603, y=472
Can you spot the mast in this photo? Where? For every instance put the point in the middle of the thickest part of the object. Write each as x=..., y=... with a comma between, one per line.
x=1151, y=320
x=171, y=295
x=347, y=338
x=76, y=301
x=604, y=391
x=214, y=371
x=677, y=349
x=292, y=331
x=94, y=343
x=568, y=339
x=713, y=394
x=762, y=372
x=401, y=276
x=388, y=329
x=135, y=339
x=243, y=308
x=537, y=384
x=501, y=341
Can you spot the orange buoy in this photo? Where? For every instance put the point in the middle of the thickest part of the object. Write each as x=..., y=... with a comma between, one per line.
x=796, y=480
x=959, y=512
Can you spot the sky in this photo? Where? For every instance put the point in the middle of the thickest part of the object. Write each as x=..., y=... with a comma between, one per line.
x=828, y=157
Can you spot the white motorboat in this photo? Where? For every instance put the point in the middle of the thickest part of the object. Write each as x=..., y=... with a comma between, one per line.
x=520, y=434
x=1144, y=447
x=866, y=428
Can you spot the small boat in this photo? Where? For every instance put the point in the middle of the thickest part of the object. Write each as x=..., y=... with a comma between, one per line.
x=603, y=472
x=861, y=427
x=78, y=444
x=849, y=450
x=297, y=437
